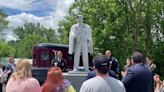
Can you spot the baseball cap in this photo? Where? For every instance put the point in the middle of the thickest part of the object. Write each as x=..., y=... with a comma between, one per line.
x=79, y=17
x=101, y=63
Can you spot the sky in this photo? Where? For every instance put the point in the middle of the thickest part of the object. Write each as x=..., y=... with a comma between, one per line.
x=47, y=12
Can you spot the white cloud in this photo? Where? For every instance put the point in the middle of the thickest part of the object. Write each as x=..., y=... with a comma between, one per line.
x=19, y=20
x=10, y=37
x=59, y=10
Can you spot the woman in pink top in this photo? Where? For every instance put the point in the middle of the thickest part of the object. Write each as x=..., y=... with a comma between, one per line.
x=21, y=80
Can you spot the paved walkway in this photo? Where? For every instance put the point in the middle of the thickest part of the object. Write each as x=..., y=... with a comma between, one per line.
x=4, y=88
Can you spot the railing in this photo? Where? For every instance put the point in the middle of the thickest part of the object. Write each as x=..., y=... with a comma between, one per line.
x=5, y=61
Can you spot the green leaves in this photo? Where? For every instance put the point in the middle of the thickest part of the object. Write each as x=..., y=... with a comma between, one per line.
x=6, y=50
x=114, y=24
x=26, y=45
x=3, y=24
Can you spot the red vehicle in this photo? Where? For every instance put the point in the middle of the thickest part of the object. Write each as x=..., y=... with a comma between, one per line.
x=44, y=53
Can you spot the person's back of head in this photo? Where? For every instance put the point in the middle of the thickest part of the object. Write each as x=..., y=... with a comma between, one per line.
x=22, y=70
x=136, y=58
x=54, y=80
x=101, y=64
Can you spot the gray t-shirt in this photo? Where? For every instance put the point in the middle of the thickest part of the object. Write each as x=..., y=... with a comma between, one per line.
x=161, y=90
x=102, y=84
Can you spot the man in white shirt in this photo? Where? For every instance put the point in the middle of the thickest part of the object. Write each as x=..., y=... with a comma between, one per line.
x=102, y=82
x=10, y=66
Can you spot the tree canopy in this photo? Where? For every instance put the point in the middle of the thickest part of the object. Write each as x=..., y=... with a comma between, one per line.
x=122, y=26
x=3, y=24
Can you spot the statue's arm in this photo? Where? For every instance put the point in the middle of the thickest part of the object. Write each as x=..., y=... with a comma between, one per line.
x=89, y=37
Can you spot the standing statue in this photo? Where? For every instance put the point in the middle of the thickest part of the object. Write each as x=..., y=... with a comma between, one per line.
x=80, y=40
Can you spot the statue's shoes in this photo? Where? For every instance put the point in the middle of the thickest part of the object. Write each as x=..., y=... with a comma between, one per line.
x=75, y=70
x=87, y=70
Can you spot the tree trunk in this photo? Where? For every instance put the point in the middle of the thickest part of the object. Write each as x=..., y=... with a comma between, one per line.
x=137, y=27
x=148, y=31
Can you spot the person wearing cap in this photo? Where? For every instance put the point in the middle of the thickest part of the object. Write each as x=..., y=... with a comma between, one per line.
x=138, y=78
x=102, y=82
x=80, y=40
x=115, y=65
x=152, y=67
x=92, y=74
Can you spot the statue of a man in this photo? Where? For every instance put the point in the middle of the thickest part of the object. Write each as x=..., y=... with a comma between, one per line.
x=80, y=40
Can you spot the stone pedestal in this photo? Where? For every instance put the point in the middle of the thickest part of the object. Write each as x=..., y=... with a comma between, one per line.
x=76, y=78
x=78, y=72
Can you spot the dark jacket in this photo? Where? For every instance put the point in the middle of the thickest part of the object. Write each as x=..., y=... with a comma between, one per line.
x=115, y=65
x=92, y=74
x=62, y=64
x=138, y=79
x=8, y=67
x=151, y=67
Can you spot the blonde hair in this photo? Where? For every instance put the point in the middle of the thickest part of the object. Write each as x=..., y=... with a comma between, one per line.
x=22, y=70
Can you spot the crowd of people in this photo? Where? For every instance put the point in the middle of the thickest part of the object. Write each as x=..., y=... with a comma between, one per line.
x=136, y=77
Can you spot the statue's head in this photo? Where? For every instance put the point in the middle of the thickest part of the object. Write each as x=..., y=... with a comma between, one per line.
x=79, y=18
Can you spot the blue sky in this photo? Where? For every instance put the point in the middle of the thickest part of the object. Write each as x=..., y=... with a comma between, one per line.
x=39, y=13
x=47, y=12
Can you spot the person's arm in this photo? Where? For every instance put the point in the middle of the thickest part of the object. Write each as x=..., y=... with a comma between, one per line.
x=64, y=67
x=6, y=73
x=52, y=63
x=157, y=87
x=117, y=68
x=1, y=72
x=127, y=79
x=153, y=69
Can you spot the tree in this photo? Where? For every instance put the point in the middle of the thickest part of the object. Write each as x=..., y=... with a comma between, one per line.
x=15, y=45
x=32, y=28
x=3, y=24
x=64, y=28
x=26, y=45
x=6, y=50
x=123, y=26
